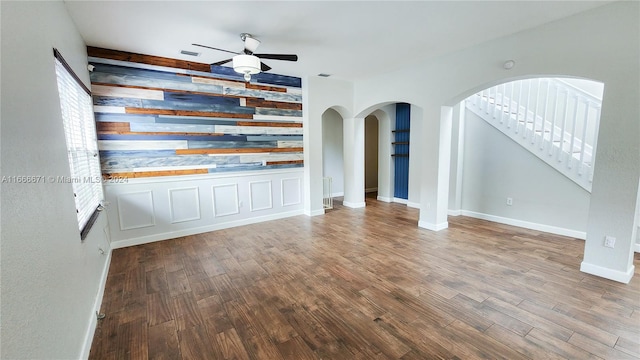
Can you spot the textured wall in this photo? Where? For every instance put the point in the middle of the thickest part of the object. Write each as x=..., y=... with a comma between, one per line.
x=160, y=117
x=51, y=280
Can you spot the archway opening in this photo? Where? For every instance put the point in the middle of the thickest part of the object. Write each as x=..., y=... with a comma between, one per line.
x=333, y=153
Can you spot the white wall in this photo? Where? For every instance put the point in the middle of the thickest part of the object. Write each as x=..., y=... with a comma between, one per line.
x=386, y=122
x=457, y=159
x=50, y=279
x=152, y=209
x=577, y=46
x=320, y=94
x=495, y=167
x=332, y=150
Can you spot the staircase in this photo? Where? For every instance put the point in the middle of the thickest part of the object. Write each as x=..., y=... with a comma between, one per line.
x=554, y=120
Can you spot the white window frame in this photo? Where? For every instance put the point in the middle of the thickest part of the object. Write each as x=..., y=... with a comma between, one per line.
x=82, y=144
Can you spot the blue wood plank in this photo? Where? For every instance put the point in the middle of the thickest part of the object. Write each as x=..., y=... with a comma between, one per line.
x=226, y=70
x=167, y=137
x=136, y=153
x=116, y=101
x=274, y=137
x=203, y=99
x=130, y=118
x=231, y=144
x=170, y=105
x=267, y=95
x=130, y=80
x=276, y=79
x=279, y=112
x=153, y=74
x=265, y=78
x=194, y=120
x=123, y=163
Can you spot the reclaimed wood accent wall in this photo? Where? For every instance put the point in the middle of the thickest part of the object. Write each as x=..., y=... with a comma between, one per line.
x=164, y=117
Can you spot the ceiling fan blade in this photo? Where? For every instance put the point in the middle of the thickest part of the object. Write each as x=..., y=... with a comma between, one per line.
x=221, y=62
x=278, y=57
x=212, y=48
x=264, y=67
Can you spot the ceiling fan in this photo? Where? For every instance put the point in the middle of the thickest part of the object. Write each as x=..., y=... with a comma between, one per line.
x=247, y=62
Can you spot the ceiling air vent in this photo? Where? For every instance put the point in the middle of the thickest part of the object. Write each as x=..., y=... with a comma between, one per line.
x=190, y=53
x=324, y=75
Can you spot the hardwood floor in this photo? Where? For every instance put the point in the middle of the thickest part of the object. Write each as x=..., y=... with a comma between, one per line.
x=365, y=284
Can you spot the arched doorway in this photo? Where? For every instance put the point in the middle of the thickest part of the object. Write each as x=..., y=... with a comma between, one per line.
x=333, y=151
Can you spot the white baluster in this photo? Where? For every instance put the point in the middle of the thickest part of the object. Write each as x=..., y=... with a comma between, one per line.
x=502, y=110
x=583, y=142
x=564, y=123
x=595, y=143
x=526, y=110
x=553, y=120
x=518, y=106
x=535, y=112
x=573, y=132
x=513, y=85
x=544, y=114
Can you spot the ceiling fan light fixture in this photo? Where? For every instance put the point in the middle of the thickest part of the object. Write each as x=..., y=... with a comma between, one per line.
x=246, y=64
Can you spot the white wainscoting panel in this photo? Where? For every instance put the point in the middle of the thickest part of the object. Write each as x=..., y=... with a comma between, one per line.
x=184, y=204
x=261, y=197
x=291, y=191
x=153, y=209
x=225, y=200
x=135, y=210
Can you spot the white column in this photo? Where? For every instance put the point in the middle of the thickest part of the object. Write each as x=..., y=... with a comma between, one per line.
x=614, y=190
x=385, y=163
x=353, y=162
x=415, y=156
x=436, y=157
x=312, y=142
x=457, y=159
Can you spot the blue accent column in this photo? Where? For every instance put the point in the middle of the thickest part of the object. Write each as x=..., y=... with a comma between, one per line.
x=401, y=151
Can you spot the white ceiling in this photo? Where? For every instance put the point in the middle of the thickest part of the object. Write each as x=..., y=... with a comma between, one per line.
x=348, y=39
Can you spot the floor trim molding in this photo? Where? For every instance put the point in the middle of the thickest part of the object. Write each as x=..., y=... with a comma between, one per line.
x=611, y=274
x=174, y=234
x=433, y=227
x=93, y=322
x=527, y=225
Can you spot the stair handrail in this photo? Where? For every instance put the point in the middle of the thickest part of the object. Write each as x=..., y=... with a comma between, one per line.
x=596, y=100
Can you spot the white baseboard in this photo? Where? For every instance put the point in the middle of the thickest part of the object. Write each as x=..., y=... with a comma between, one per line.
x=454, y=212
x=636, y=248
x=615, y=275
x=337, y=194
x=354, y=205
x=527, y=225
x=413, y=205
x=400, y=201
x=385, y=199
x=91, y=330
x=373, y=189
x=314, y=212
x=174, y=234
x=433, y=227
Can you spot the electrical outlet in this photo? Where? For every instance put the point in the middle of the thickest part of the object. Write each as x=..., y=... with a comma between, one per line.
x=609, y=241
x=509, y=201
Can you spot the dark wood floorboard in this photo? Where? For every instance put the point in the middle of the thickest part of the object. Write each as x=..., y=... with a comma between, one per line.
x=365, y=284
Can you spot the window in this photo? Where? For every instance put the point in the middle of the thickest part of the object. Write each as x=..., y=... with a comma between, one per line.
x=82, y=144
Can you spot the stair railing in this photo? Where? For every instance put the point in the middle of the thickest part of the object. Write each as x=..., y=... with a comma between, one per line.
x=553, y=115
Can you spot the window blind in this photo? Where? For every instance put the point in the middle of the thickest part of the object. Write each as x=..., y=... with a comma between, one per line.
x=82, y=144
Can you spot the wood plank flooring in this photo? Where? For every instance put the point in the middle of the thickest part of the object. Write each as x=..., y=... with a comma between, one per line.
x=365, y=284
